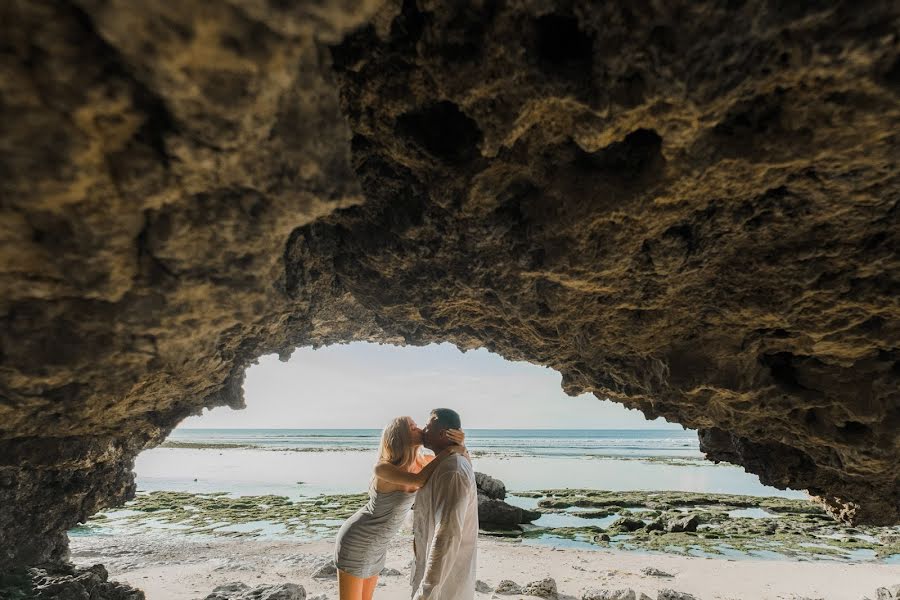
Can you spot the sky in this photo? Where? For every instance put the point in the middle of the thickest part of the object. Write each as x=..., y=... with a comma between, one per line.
x=362, y=385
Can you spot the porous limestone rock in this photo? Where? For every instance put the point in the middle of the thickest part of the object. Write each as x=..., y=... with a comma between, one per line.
x=326, y=570
x=627, y=524
x=654, y=572
x=64, y=582
x=508, y=587
x=690, y=208
x=667, y=594
x=888, y=593
x=242, y=591
x=543, y=588
x=603, y=594
x=685, y=523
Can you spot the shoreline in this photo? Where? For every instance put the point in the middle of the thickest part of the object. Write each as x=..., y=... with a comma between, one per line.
x=184, y=568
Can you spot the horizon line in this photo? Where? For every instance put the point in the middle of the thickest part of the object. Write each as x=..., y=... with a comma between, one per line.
x=675, y=428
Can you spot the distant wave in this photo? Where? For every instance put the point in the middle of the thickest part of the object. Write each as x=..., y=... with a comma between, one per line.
x=654, y=445
x=226, y=446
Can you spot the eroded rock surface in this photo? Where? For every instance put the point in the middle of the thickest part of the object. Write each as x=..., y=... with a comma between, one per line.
x=689, y=209
x=493, y=512
x=242, y=591
x=62, y=581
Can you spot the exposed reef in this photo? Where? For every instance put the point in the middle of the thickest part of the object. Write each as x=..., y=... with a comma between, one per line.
x=688, y=207
x=671, y=522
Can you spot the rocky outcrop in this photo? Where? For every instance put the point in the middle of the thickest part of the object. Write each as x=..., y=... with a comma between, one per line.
x=63, y=581
x=507, y=587
x=493, y=512
x=888, y=593
x=627, y=524
x=543, y=588
x=490, y=487
x=242, y=591
x=686, y=207
x=686, y=523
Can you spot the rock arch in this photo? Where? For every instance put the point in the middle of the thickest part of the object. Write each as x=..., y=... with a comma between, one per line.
x=688, y=209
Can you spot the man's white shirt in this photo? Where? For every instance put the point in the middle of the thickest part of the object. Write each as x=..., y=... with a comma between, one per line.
x=445, y=529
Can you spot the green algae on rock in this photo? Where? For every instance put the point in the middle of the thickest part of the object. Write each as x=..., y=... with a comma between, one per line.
x=653, y=500
x=730, y=525
x=217, y=513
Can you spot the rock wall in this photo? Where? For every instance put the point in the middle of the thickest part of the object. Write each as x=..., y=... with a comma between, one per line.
x=689, y=209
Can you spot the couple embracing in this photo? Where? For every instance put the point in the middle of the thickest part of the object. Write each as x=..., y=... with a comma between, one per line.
x=445, y=523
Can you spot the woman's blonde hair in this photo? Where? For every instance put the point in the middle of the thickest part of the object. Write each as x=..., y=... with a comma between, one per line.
x=396, y=443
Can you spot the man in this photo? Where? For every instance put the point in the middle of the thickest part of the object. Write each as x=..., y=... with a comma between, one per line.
x=445, y=525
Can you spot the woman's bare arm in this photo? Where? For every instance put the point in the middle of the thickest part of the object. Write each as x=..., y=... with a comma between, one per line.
x=394, y=474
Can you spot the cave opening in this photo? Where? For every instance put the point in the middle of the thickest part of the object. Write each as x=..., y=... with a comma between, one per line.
x=685, y=207
x=266, y=488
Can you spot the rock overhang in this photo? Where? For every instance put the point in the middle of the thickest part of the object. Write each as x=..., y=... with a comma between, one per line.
x=687, y=209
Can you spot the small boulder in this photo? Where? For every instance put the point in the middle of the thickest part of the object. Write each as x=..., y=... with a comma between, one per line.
x=888, y=593
x=621, y=594
x=673, y=595
x=227, y=591
x=603, y=537
x=388, y=572
x=490, y=487
x=241, y=591
x=549, y=503
x=686, y=523
x=627, y=524
x=500, y=514
x=279, y=591
x=65, y=581
x=655, y=525
x=654, y=572
x=483, y=587
x=325, y=570
x=508, y=588
x=545, y=588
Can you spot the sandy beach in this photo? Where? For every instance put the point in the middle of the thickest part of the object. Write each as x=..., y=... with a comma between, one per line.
x=182, y=568
x=180, y=545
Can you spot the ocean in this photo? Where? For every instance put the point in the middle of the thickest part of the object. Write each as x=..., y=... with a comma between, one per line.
x=299, y=484
x=304, y=462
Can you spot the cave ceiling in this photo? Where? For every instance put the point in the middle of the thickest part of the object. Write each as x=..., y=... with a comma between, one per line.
x=690, y=208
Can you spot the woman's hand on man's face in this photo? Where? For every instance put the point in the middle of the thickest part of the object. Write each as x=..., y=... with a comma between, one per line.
x=457, y=436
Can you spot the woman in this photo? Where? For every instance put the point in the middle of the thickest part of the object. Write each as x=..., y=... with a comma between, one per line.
x=362, y=541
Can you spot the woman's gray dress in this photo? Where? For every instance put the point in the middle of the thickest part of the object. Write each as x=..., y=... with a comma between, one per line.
x=362, y=541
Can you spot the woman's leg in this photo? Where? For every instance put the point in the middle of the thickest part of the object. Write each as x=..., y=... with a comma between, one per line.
x=349, y=587
x=369, y=587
